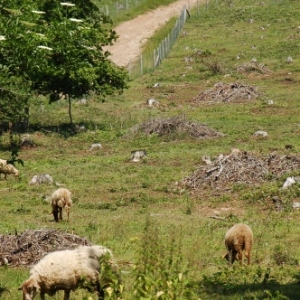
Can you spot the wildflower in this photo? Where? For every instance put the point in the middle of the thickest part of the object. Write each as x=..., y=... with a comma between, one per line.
x=67, y=4
x=45, y=47
x=2, y=38
x=38, y=12
x=76, y=20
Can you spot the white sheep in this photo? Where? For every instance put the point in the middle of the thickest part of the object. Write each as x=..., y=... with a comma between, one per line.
x=61, y=198
x=7, y=169
x=67, y=270
x=238, y=238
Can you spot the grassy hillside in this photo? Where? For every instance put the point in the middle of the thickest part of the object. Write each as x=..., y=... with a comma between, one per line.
x=142, y=211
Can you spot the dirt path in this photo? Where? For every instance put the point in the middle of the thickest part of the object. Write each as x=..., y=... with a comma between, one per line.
x=134, y=33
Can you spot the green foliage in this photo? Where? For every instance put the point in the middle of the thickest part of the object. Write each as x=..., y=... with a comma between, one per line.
x=160, y=272
x=53, y=48
x=178, y=253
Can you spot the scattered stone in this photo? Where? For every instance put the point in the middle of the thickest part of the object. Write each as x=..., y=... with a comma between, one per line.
x=152, y=102
x=296, y=205
x=260, y=133
x=137, y=155
x=82, y=101
x=95, y=146
x=41, y=179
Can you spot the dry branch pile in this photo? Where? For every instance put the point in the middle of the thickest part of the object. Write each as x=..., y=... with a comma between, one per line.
x=253, y=67
x=29, y=247
x=228, y=92
x=240, y=167
x=177, y=126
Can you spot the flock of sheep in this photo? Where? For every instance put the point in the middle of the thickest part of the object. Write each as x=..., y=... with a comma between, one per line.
x=69, y=269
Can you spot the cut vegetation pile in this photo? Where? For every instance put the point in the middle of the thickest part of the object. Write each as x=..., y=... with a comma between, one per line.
x=253, y=67
x=177, y=126
x=29, y=247
x=228, y=92
x=240, y=167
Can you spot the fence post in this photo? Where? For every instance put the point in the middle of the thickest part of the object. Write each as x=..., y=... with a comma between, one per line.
x=142, y=67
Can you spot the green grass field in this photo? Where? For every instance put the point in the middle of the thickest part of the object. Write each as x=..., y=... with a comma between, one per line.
x=137, y=209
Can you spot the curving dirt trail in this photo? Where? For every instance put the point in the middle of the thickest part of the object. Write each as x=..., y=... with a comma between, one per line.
x=134, y=33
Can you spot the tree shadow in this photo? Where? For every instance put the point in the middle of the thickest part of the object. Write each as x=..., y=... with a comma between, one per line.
x=3, y=290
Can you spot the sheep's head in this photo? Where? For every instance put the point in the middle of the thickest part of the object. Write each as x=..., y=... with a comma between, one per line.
x=30, y=289
x=16, y=173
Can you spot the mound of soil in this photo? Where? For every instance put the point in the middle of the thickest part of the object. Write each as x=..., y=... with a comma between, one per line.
x=240, y=167
x=28, y=248
x=228, y=92
x=177, y=126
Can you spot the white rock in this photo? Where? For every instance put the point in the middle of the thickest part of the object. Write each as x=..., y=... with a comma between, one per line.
x=260, y=133
x=288, y=182
x=96, y=146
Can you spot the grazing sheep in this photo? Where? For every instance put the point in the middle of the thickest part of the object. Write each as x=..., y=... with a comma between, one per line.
x=67, y=270
x=238, y=238
x=61, y=198
x=7, y=169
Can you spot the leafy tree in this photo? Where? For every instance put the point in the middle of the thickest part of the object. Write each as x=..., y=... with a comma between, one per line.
x=51, y=47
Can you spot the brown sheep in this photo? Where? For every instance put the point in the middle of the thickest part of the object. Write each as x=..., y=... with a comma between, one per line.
x=238, y=238
x=61, y=198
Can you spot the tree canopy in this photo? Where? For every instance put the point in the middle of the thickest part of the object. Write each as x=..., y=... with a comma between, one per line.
x=50, y=47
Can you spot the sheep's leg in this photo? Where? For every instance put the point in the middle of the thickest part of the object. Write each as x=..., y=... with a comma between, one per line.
x=68, y=212
x=247, y=251
x=67, y=295
x=55, y=213
x=232, y=256
x=247, y=255
x=42, y=294
x=240, y=257
x=60, y=213
x=100, y=291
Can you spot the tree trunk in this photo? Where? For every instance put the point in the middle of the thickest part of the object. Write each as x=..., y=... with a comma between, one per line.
x=70, y=110
x=10, y=132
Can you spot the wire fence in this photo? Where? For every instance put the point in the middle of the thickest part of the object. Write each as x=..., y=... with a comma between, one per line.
x=120, y=7
x=151, y=59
